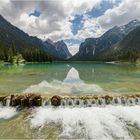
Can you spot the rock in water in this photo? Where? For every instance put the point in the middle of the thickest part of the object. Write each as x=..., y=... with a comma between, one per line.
x=56, y=100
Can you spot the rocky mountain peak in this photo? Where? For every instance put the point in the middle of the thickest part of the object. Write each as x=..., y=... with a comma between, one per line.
x=49, y=41
x=58, y=49
x=100, y=46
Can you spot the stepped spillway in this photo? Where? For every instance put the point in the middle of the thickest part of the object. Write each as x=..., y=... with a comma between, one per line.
x=30, y=100
x=74, y=116
x=89, y=101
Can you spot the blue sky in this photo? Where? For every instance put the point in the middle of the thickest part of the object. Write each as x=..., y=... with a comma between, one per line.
x=77, y=23
x=70, y=20
x=36, y=13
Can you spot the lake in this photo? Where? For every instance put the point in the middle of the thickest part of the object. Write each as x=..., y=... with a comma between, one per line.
x=70, y=79
x=110, y=122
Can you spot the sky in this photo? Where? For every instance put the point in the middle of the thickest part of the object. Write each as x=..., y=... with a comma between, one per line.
x=70, y=20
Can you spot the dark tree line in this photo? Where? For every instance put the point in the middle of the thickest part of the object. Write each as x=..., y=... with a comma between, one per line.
x=35, y=55
x=8, y=53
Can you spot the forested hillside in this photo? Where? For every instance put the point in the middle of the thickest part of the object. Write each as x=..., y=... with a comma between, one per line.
x=14, y=41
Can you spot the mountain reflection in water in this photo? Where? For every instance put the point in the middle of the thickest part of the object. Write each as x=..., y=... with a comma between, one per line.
x=72, y=84
x=111, y=78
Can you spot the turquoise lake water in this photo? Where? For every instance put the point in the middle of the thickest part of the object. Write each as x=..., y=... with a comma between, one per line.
x=70, y=79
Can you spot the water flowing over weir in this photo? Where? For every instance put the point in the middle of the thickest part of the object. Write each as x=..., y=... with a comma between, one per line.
x=64, y=111
x=78, y=117
x=30, y=100
x=89, y=117
x=7, y=112
x=89, y=101
x=112, y=122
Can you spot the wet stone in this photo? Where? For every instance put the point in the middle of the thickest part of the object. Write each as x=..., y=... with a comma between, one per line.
x=116, y=101
x=100, y=102
x=47, y=103
x=130, y=101
x=107, y=102
x=5, y=100
x=85, y=102
x=38, y=102
x=136, y=100
x=93, y=102
x=63, y=103
x=70, y=103
x=77, y=102
x=56, y=100
x=123, y=101
x=2, y=98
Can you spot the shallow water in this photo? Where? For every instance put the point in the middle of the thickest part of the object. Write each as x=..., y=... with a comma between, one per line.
x=70, y=79
x=46, y=122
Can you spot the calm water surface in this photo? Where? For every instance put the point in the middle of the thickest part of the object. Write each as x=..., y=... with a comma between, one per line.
x=70, y=79
x=110, y=122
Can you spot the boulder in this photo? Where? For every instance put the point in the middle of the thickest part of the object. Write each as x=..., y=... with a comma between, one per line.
x=56, y=100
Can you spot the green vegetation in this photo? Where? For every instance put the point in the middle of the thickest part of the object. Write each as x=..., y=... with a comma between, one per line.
x=12, y=55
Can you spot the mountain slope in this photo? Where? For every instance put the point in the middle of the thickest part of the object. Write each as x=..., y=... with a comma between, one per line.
x=128, y=49
x=10, y=34
x=58, y=49
x=13, y=39
x=96, y=48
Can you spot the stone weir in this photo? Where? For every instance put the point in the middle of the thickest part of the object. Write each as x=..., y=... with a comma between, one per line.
x=24, y=100
x=30, y=100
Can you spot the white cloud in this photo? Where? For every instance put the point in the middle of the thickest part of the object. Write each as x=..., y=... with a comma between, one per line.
x=91, y=28
x=126, y=11
x=55, y=15
x=80, y=7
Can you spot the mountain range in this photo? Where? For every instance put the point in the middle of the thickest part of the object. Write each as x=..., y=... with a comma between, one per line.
x=13, y=36
x=121, y=43
x=57, y=49
x=112, y=45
